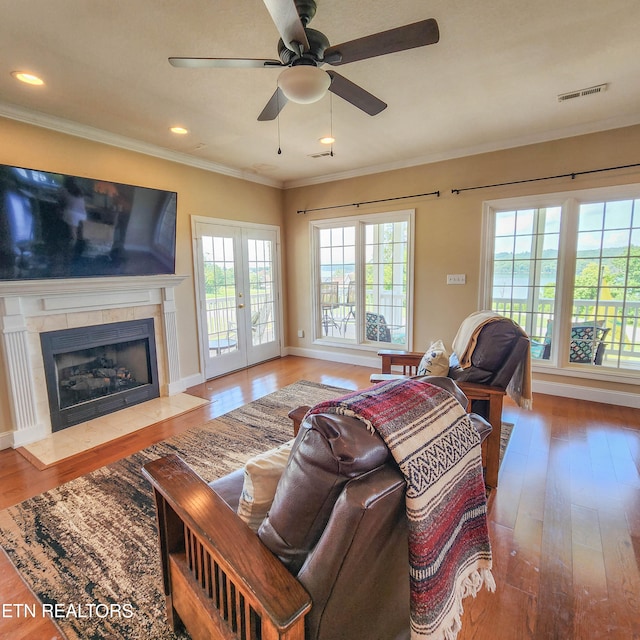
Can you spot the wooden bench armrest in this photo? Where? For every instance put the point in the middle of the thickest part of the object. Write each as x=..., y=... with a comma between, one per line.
x=475, y=391
x=408, y=360
x=297, y=415
x=213, y=546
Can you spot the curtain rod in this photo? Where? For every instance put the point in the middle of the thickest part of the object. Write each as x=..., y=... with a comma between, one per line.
x=357, y=204
x=562, y=175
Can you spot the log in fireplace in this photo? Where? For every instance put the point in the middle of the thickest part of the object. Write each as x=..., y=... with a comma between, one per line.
x=93, y=371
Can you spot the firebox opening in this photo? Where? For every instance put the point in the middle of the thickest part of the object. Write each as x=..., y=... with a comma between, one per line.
x=93, y=371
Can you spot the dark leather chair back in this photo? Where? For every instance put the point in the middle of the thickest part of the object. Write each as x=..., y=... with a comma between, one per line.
x=500, y=349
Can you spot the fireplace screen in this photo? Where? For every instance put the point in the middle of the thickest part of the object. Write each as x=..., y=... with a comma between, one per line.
x=100, y=371
x=92, y=371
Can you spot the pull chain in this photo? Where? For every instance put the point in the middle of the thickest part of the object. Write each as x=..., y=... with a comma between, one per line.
x=278, y=120
x=331, y=120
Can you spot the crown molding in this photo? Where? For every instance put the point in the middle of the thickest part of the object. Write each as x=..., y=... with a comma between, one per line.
x=501, y=145
x=46, y=121
x=39, y=119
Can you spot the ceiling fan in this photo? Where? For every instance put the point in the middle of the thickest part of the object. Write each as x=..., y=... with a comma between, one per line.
x=302, y=51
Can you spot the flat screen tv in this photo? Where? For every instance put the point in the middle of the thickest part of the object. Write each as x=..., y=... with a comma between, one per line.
x=54, y=225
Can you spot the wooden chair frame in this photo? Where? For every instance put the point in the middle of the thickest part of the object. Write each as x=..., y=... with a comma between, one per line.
x=218, y=576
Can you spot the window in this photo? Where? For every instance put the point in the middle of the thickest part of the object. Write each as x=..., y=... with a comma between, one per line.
x=363, y=275
x=566, y=267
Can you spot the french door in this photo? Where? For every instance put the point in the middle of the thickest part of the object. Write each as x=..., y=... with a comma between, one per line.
x=238, y=294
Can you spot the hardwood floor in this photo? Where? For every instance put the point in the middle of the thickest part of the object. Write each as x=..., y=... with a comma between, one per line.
x=564, y=521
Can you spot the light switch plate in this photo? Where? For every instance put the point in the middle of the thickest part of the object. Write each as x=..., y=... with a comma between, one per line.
x=456, y=278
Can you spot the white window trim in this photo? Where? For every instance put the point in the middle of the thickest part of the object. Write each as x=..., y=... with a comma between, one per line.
x=566, y=269
x=375, y=218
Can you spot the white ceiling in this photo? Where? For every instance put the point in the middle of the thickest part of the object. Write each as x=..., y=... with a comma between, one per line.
x=491, y=82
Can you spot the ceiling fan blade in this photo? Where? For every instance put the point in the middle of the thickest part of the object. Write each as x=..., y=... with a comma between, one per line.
x=274, y=106
x=285, y=16
x=356, y=95
x=223, y=63
x=410, y=36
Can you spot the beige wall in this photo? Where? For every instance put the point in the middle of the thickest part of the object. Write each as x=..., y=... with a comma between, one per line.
x=448, y=228
x=200, y=193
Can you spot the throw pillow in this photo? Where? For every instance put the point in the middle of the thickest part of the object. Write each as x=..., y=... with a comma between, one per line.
x=582, y=343
x=435, y=361
x=261, y=476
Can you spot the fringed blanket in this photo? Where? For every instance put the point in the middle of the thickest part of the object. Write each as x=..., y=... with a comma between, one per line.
x=438, y=450
x=467, y=336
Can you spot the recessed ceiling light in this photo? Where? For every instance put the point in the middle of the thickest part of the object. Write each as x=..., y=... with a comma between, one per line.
x=327, y=140
x=181, y=131
x=27, y=78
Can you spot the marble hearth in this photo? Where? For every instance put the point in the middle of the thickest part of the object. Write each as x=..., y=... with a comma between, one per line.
x=30, y=308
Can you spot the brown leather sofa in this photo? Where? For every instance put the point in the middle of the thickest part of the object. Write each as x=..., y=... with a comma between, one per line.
x=333, y=547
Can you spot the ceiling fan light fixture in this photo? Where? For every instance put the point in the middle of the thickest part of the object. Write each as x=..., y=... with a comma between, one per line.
x=327, y=140
x=304, y=84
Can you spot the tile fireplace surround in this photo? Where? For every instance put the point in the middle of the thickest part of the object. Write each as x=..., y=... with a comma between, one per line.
x=30, y=307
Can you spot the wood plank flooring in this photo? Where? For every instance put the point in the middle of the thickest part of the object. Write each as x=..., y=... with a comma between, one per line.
x=564, y=521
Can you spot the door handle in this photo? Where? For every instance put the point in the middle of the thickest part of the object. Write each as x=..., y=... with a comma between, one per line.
x=240, y=306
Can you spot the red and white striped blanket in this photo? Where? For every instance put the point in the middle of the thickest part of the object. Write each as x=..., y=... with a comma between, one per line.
x=438, y=450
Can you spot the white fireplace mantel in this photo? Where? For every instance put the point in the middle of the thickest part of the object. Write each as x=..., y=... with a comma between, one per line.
x=26, y=306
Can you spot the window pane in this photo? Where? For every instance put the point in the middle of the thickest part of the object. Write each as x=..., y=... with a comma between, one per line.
x=524, y=270
x=505, y=223
x=618, y=214
x=552, y=220
x=523, y=246
x=524, y=221
x=220, y=293
x=504, y=247
x=337, y=270
x=591, y=216
x=615, y=243
x=373, y=310
x=386, y=282
x=550, y=243
x=636, y=213
x=589, y=242
x=262, y=299
x=604, y=327
x=604, y=314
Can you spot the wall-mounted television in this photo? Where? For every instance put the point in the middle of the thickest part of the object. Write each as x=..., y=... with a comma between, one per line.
x=54, y=225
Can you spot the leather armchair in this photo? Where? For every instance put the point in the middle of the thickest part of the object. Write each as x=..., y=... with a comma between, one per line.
x=329, y=562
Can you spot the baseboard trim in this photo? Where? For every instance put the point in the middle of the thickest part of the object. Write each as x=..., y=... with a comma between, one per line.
x=335, y=356
x=6, y=440
x=20, y=437
x=190, y=381
x=592, y=394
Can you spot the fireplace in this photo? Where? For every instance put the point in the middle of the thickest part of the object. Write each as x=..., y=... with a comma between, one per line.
x=96, y=370
x=28, y=309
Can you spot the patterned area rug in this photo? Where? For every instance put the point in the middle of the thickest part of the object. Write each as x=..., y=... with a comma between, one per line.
x=90, y=545
x=88, y=548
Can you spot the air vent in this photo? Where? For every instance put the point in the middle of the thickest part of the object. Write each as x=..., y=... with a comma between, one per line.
x=322, y=154
x=581, y=93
